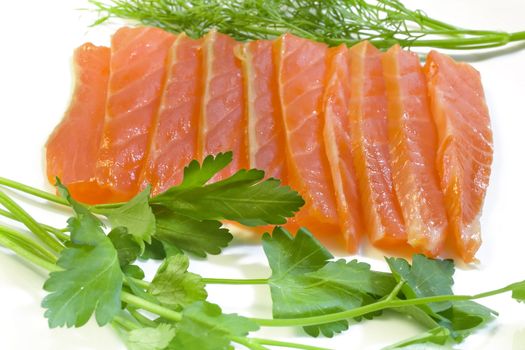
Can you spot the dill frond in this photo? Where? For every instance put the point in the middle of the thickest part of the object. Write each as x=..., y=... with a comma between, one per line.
x=383, y=22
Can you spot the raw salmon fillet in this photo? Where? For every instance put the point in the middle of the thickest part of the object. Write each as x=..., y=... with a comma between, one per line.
x=464, y=154
x=338, y=144
x=370, y=148
x=137, y=71
x=264, y=122
x=174, y=141
x=301, y=69
x=222, y=121
x=72, y=148
x=413, y=145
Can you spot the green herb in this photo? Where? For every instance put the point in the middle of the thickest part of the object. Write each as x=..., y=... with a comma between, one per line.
x=243, y=197
x=150, y=338
x=199, y=237
x=91, y=280
x=173, y=286
x=304, y=283
x=136, y=215
x=204, y=326
x=94, y=273
x=383, y=22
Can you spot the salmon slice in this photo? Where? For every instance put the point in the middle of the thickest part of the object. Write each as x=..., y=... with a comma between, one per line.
x=137, y=72
x=222, y=120
x=72, y=148
x=301, y=69
x=338, y=143
x=264, y=121
x=174, y=142
x=465, y=150
x=413, y=145
x=370, y=148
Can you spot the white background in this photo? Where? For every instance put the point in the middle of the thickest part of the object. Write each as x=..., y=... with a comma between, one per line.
x=37, y=41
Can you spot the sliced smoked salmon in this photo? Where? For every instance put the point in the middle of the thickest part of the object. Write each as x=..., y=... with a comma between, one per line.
x=413, y=146
x=137, y=72
x=301, y=69
x=72, y=148
x=464, y=154
x=338, y=144
x=174, y=140
x=264, y=123
x=370, y=148
x=222, y=121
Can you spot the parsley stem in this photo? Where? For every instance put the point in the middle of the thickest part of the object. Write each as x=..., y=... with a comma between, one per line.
x=17, y=248
x=56, y=232
x=27, y=243
x=284, y=344
x=145, y=284
x=33, y=191
x=151, y=307
x=377, y=306
x=30, y=223
x=395, y=291
x=248, y=343
x=125, y=323
x=235, y=281
x=141, y=318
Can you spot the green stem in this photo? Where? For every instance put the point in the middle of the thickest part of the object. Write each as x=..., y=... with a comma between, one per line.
x=98, y=208
x=284, y=344
x=380, y=305
x=33, y=191
x=517, y=36
x=56, y=232
x=30, y=223
x=248, y=343
x=145, y=284
x=395, y=291
x=151, y=307
x=141, y=318
x=29, y=256
x=125, y=323
x=235, y=281
x=28, y=244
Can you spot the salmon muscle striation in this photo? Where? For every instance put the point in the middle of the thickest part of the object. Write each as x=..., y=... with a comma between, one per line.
x=413, y=146
x=370, y=148
x=465, y=147
x=72, y=149
x=338, y=143
x=137, y=72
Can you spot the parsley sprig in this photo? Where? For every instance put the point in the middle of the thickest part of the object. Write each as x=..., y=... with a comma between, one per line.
x=93, y=270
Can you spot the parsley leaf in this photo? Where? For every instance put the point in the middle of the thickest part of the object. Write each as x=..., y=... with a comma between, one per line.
x=205, y=327
x=136, y=215
x=127, y=248
x=194, y=236
x=464, y=317
x=197, y=176
x=91, y=282
x=304, y=283
x=175, y=287
x=150, y=338
x=243, y=197
x=85, y=228
x=431, y=277
x=356, y=276
x=426, y=277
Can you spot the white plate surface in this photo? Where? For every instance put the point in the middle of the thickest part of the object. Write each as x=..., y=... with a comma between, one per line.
x=38, y=38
